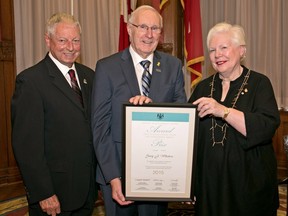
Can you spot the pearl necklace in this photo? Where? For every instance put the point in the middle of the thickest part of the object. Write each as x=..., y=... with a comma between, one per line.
x=225, y=125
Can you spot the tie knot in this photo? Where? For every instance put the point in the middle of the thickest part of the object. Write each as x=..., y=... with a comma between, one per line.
x=71, y=73
x=145, y=64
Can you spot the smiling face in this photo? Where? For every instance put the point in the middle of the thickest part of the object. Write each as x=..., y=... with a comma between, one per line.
x=144, y=42
x=225, y=55
x=64, y=43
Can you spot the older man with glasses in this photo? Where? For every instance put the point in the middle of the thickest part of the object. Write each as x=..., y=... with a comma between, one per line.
x=139, y=74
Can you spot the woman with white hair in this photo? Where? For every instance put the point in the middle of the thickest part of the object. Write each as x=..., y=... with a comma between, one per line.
x=236, y=163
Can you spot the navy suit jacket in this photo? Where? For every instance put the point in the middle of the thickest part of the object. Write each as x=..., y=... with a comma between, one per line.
x=115, y=82
x=51, y=134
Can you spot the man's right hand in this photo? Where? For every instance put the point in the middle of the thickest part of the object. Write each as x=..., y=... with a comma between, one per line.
x=51, y=205
x=117, y=194
x=140, y=100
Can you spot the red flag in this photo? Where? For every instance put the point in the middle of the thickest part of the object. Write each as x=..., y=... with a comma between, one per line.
x=193, y=39
x=125, y=11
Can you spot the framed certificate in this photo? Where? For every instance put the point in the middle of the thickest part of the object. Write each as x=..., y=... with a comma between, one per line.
x=159, y=153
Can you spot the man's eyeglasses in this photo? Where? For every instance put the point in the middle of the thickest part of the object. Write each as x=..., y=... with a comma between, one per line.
x=144, y=28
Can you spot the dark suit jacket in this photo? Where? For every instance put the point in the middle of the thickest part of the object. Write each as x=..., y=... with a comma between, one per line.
x=51, y=134
x=115, y=82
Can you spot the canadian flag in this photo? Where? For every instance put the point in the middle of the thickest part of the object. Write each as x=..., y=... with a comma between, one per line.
x=126, y=7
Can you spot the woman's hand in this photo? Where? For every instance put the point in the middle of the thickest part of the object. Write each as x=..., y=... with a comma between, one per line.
x=209, y=106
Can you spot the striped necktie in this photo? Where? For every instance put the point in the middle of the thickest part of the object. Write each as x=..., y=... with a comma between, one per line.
x=146, y=77
x=75, y=86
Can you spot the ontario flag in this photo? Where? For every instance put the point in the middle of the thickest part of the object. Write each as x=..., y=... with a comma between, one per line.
x=193, y=46
x=126, y=8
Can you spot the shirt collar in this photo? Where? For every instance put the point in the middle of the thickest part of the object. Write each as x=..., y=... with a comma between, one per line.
x=137, y=58
x=63, y=68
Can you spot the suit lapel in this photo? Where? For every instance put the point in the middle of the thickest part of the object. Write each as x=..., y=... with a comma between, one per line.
x=128, y=70
x=157, y=76
x=60, y=82
x=83, y=82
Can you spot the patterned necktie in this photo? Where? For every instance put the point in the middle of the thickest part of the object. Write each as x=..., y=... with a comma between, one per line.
x=75, y=86
x=146, y=77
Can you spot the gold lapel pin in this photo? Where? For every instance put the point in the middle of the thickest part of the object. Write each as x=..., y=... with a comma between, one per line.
x=158, y=65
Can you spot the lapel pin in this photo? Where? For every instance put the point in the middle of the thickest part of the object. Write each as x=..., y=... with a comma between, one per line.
x=158, y=65
x=85, y=81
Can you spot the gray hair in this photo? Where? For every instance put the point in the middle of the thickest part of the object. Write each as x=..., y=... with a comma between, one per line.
x=237, y=33
x=136, y=12
x=58, y=18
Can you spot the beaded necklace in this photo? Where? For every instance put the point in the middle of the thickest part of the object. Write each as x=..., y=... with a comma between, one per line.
x=225, y=125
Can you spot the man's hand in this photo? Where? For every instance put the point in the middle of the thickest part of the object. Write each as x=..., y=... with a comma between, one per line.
x=117, y=194
x=51, y=205
x=140, y=99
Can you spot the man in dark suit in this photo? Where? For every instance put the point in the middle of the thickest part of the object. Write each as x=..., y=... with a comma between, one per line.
x=51, y=130
x=118, y=80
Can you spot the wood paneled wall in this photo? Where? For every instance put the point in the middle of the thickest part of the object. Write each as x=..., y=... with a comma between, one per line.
x=279, y=146
x=10, y=179
x=172, y=41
